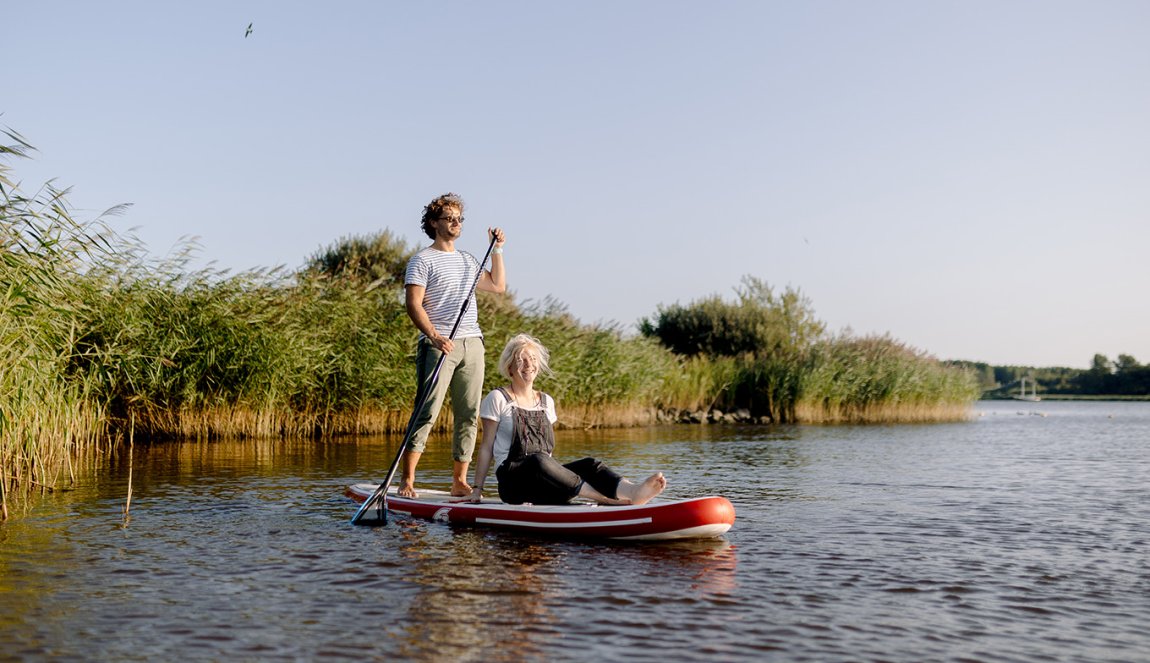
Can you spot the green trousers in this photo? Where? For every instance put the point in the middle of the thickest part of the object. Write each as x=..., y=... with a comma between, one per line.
x=462, y=376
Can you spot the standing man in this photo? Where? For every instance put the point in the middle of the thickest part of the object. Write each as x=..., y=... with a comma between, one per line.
x=438, y=279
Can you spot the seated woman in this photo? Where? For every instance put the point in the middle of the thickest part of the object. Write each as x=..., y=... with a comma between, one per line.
x=518, y=435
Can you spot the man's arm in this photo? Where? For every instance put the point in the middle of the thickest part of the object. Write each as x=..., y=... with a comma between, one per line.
x=414, y=302
x=495, y=279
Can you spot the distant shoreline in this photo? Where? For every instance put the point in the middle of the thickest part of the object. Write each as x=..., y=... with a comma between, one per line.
x=1076, y=397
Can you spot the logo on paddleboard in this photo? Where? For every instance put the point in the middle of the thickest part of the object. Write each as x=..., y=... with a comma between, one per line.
x=441, y=516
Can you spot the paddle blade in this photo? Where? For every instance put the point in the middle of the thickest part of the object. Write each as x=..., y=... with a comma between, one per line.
x=363, y=515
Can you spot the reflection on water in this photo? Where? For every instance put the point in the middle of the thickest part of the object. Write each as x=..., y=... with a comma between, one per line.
x=467, y=587
x=1012, y=537
x=497, y=596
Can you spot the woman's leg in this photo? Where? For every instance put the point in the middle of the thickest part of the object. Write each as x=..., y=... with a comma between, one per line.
x=539, y=479
x=608, y=482
x=595, y=472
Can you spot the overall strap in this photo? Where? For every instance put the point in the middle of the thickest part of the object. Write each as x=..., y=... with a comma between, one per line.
x=540, y=398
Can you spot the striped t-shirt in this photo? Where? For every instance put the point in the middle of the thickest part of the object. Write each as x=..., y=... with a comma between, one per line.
x=447, y=278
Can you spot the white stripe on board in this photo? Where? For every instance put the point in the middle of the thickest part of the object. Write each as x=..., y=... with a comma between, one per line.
x=520, y=523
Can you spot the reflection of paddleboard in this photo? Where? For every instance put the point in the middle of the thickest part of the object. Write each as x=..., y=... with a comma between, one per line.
x=697, y=518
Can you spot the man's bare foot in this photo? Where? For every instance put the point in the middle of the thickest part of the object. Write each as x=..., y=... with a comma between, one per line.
x=407, y=490
x=460, y=489
x=647, y=490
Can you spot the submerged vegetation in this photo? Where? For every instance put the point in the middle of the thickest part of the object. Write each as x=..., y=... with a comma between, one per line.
x=98, y=341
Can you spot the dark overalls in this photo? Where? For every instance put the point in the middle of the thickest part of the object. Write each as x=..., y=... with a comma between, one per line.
x=530, y=474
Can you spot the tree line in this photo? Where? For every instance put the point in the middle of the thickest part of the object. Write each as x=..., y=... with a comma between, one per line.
x=1122, y=376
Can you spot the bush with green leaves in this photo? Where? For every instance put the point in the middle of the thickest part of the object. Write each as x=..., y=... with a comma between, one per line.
x=757, y=323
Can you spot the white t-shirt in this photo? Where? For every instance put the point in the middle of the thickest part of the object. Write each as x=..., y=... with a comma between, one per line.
x=497, y=407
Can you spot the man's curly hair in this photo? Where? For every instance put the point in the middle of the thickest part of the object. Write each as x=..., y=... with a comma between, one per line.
x=435, y=209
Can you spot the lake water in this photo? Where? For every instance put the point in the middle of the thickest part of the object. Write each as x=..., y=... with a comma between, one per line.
x=1021, y=535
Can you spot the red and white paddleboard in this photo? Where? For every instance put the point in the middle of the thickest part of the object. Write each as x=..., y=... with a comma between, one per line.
x=697, y=518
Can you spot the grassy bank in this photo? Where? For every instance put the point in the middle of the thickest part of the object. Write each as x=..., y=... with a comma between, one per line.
x=97, y=337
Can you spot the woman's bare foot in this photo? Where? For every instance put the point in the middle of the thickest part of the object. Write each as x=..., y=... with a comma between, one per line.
x=646, y=491
x=587, y=492
x=407, y=490
x=460, y=489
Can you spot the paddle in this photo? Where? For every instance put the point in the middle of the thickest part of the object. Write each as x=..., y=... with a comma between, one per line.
x=380, y=494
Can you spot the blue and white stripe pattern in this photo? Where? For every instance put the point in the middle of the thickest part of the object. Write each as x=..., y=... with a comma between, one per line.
x=447, y=278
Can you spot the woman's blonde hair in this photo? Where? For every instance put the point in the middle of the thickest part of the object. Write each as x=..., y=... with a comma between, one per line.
x=519, y=344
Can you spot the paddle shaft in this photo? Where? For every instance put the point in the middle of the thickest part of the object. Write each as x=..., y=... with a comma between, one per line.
x=380, y=494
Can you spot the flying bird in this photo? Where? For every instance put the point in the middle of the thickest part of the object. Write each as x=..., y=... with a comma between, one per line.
x=249, y=31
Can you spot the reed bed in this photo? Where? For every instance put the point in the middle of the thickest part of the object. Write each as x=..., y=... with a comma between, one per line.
x=882, y=413
x=699, y=383
x=766, y=353
x=44, y=417
x=879, y=379
x=240, y=422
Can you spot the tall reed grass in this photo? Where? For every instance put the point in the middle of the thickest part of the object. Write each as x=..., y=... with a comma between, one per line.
x=879, y=379
x=44, y=417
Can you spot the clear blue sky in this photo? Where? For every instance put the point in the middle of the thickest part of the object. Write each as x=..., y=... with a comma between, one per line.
x=972, y=177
